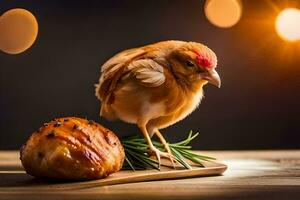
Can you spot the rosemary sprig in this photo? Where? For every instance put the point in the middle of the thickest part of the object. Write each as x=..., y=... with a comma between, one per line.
x=137, y=153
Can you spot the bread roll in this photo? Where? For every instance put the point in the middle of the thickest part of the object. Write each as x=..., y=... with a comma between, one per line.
x=72, y=148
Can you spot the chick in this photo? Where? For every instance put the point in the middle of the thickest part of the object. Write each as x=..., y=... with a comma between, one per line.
x=156, y=86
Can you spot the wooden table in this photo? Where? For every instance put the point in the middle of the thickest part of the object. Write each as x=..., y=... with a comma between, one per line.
x=251, y=175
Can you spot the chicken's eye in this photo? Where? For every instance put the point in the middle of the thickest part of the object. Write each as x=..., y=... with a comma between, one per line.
x=189, y=63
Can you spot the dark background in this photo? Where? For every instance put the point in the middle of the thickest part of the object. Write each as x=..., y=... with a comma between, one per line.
x=257, y=106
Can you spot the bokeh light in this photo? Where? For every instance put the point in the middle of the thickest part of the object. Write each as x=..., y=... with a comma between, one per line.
x=223, y=13
x=288, y=24
x=18, y=30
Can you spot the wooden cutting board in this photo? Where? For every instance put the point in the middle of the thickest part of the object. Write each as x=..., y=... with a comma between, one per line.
x=18, y=180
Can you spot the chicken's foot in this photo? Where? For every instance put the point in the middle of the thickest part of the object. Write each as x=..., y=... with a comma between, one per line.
x=166, y=145
x=154, y=150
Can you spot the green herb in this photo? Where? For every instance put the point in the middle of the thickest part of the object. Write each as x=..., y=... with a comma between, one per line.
x=137, y=153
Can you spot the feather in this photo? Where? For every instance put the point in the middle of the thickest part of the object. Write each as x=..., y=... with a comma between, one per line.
x=148, y=72
x=112, y=71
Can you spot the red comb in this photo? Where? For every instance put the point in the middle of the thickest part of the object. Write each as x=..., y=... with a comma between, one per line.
x=203, y=61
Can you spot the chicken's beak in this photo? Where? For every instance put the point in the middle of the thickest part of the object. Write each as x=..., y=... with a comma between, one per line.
x=212, y=77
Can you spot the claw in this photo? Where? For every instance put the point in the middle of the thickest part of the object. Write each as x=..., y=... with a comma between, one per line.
x=157, y=155
x=171, y=156
x=160, y=154
x=153, y=149
x=167, y=148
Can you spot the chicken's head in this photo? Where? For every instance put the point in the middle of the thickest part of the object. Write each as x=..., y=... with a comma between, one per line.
x=195, y=62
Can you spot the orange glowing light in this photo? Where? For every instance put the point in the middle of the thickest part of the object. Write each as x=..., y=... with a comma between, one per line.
x=223, y=13
x=18, y=30
x=288, y=24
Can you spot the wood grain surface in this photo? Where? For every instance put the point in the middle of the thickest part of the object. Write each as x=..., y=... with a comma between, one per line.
x=250, y=175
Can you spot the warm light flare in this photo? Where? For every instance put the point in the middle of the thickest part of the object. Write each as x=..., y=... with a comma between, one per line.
x=223, y=13
x=18, y=30
x=288, y=24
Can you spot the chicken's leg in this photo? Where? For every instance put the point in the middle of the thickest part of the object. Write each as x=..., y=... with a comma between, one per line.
x=166, y=145
x=152, y=148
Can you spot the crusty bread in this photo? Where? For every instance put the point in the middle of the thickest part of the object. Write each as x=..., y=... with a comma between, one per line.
x=72, y=148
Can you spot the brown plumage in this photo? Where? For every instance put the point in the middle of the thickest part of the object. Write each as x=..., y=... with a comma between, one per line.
x=156, y=85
